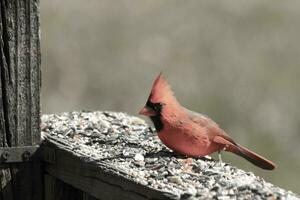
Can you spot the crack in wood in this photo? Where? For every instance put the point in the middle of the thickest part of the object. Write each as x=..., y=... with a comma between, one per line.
x=5, y=76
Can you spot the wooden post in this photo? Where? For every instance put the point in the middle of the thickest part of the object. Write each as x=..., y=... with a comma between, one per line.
x=19, y=97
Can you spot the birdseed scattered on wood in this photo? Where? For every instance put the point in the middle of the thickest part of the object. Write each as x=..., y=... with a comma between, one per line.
x=129, y=145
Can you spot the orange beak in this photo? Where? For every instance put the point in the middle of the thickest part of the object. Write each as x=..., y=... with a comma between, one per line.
x=147, y=111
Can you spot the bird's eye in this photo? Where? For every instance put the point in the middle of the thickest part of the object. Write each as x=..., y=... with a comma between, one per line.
x=158, y=106
x=155, y=106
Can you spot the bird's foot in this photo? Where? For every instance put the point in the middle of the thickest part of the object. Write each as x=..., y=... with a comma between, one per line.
x=187, y=164
x=186, y=161
x=220, y=163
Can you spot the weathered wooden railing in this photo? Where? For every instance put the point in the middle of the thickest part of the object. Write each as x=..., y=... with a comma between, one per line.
x=111, y=155
x=97, y=155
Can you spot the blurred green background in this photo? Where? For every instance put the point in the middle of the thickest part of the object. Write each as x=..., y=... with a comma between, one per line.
x=236, y=61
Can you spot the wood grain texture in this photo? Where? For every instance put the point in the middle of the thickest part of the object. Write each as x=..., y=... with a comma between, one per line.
x=96, y=179
x=20, y=94
x=20, y=73
x=56, y=189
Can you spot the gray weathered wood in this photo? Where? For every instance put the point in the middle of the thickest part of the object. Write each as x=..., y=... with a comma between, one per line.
x=20, y=73
x=56, y=189
x=20, y=94
x=112, y=155
x=19, y=154
x=49, y=187
x=98, y=180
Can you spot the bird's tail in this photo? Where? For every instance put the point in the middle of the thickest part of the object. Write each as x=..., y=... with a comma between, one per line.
x=252, y=157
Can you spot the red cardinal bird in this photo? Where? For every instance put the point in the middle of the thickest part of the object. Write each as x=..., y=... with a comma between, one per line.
x=190, y=133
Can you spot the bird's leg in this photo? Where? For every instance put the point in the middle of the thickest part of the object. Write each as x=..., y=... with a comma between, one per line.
x=220, y=162
x=220, y=157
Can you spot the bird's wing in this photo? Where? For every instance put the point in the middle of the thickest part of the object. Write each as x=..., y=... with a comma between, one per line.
x=212, y=127
x=217, y=135
x=223, y=140
x=200, y=119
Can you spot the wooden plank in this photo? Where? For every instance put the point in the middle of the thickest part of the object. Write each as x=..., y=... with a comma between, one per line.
x=98, y=180
x=19, y=94
x=6, y=98
x=112, y=155
x=6, y=183
x=56, y=189
x=35, y=71
x=49, y=187
x=20, y=72
x=94, y=187
x=86, y=196
x=27, y=181
x=5, y=87
x=18, y=154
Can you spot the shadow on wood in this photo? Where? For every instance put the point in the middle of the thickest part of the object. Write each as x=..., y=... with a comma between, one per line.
x=96, y=179
x=20, y=180
x=59, y=190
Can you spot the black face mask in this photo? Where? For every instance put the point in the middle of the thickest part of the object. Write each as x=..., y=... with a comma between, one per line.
x=156, y=119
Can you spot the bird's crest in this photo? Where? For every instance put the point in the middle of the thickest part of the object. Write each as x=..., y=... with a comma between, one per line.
x=161, y=91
